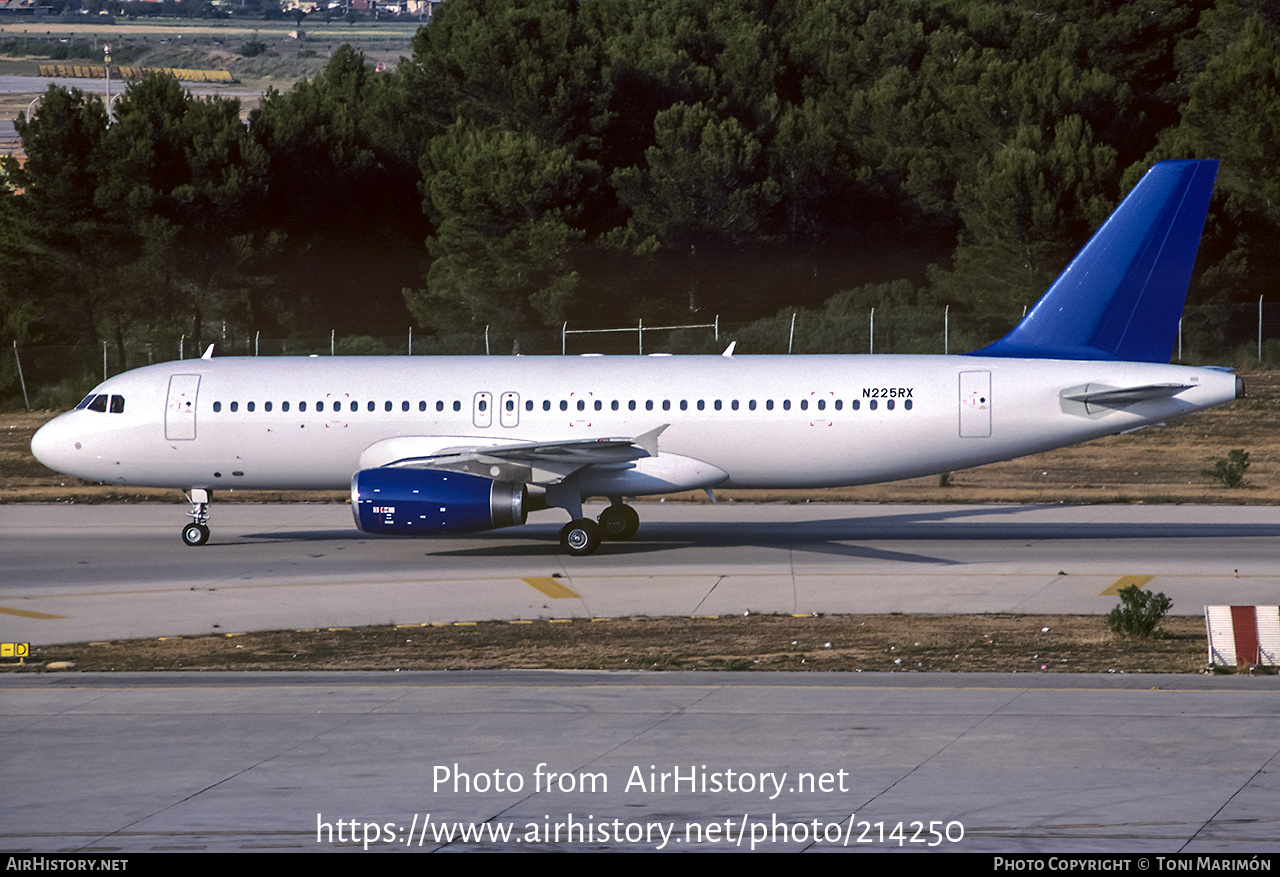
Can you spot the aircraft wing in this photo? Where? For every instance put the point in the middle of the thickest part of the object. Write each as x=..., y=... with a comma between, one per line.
x=522, y=462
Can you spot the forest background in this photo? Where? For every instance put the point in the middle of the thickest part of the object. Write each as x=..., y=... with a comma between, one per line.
x=785, y=166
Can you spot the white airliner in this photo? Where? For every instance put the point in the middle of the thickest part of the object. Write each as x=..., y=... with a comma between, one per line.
x=443, y=445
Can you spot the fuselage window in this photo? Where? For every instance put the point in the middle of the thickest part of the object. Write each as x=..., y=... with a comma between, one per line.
x=839, y=404
x=599, y=405
x=439, y=404
x=248, y=406
x=631, y=406
x=117, y=404
x=666, y=404
x=235, y=406
x=355, y=406
x=266, y=406
x=786, y=404
x=718, y=405
x=528, y=405
x=582, y=404
x=404, y=406
x=511, y=406
x=804, y=404
x=564, y=404
x=768, y=404
x=217, y=406
x=546, y=404
x=889, y=404
x=422, y=406
x=386, y=406
x=907, y=404
x=855, y=404
x=734, y=404
x=319, y=406
x=614, y=404
x=702, y=405
x=872, y=405
x=648, y=404
x=370, y=405
x=751, y=405
x=302, y=406
x=822, y=404
x=457, y=406
x=284, y=406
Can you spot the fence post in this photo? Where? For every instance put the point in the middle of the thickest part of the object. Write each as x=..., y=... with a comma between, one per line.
x=564, y=331
x=792, y=337
x=21, y=379
x=873, y=331
x=640, y=335
x=104, y=360
x=1259, y=328
x=333, y=344
x=411, y=341
x=946, y=330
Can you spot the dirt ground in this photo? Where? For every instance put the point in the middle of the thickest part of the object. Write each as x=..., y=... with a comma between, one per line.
x=845, y=643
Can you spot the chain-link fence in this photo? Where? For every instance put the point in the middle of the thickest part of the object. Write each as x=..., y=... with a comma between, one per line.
x=58, y=377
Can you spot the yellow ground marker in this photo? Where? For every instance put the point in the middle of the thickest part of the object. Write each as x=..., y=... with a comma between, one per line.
x=1124, y=582
x=549, y=586
x=27, y=613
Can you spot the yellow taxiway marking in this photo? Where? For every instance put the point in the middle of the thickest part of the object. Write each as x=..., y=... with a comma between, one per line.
x=549, y=586
x=27, y=613
x=1124, y=582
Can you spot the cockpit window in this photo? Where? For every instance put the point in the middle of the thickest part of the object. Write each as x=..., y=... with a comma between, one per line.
x=99, y=403
x=84, y=403
x=117, y=404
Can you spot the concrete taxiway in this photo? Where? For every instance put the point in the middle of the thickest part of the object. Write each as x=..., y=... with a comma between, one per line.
x=122, y=763
x=75, y=573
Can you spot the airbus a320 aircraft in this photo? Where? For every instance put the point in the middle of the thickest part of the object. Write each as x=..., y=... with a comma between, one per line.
x=444, y=445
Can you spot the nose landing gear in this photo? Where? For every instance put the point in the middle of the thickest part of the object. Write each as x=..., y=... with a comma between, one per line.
x=197, y=532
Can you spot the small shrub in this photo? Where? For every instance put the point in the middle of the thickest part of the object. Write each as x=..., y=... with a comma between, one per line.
x=944, y=479
x=1139, y=613
x=1229, y=469
x=253, y=48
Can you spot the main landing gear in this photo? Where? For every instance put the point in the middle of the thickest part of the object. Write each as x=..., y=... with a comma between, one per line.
x=581, y=537
x=197, y=532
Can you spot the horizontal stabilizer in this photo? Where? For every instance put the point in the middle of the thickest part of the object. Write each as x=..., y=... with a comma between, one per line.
x=1102, y=396
x=1122, y=295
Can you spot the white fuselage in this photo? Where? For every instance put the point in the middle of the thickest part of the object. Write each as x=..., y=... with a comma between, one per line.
x=742, y=421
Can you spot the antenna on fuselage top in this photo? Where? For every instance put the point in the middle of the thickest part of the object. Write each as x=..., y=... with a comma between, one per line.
x=208, y=353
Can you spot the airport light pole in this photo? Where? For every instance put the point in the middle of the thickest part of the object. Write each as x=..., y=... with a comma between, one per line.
x=106, y=58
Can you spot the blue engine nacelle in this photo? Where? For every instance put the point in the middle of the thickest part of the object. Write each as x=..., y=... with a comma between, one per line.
x=429, y=502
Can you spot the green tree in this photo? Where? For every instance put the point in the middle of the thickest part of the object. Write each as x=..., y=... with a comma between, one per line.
x=503, y=204
x=65, y=243
x=1030, y=207
x=183, y=180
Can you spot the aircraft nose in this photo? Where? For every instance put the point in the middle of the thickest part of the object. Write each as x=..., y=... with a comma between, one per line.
x=53, y=444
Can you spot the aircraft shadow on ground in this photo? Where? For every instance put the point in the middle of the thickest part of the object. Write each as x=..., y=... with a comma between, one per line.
x=843, y=536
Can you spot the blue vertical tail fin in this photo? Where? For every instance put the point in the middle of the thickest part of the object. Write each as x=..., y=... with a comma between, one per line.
x=1122, y=295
